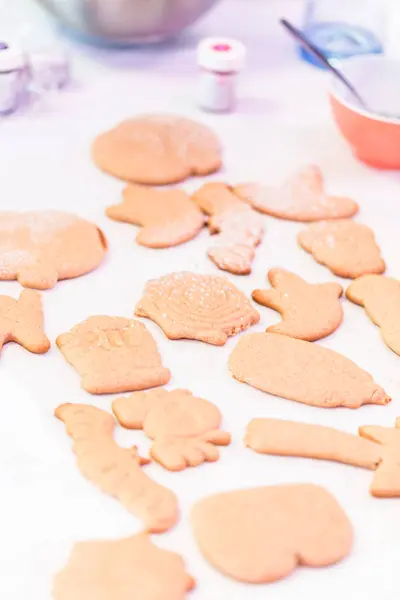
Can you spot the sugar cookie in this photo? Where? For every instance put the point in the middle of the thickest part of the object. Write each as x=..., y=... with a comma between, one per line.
x=302, y=371
x=347, y=248
x=157, y=149
x=21, y=321
x=262, y=534
x=301, y=197
x=309, y=311
x=185, y=429
x=42, y=247
x=167, y=217
x=116, y=471
x=201, y=307
x=113, y=355
x=131, y=568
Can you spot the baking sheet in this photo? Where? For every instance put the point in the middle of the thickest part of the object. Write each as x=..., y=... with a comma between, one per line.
x=282, y=122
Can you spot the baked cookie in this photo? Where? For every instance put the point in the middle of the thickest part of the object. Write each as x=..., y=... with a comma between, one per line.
x=309, y=311
x=302, y=371
x=201, y=307
x=185, y=429
x=301, y=197
x=114, y=470
x=21, y=321
x=377, y=449
x=347, y=248
x=157, y=149
x=167, y=217
x=131, y=568
x=261, y=535
x=380, y=296
x=40, y=248
x=113, y=355
x=306, y=440
x=238, y=229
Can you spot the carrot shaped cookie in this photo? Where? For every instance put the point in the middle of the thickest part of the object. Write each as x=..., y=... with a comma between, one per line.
x=113, y=355
x=309, y=311
x=208, y=308
x=347, y=248
x=262, y=534
x=237, y=228
x=167, y=217
x=21, y=321
x=185, y=429
x=377, y=448
x=157, y=149
x=40, y=248
x=131, y=568
x=302, y=371
x=301, y=197
x=114, y=470
x=380, y=296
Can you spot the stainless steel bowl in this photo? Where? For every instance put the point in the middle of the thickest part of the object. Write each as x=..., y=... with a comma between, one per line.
x=125, y=22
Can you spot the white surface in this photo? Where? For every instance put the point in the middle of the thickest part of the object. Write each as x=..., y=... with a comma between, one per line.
x=282, y=121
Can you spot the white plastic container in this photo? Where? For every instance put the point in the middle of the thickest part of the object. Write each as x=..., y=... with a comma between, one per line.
x=220, y=60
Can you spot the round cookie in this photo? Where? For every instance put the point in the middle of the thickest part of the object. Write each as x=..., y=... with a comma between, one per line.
x=157, y=150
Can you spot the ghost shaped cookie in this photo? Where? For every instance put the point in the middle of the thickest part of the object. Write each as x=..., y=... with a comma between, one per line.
x=309, y=311
x=113, y=355
x=380, y=296
x=21, y=321
x=131, y=568
x=185, y=429
x=114, y=470
x=200, y=307
x=347, y=248
x=157, y=150
x=262, y=534
x=301, y=197
x=40, y=248
x=238, y=229
x=167, y=217
x=302, y=371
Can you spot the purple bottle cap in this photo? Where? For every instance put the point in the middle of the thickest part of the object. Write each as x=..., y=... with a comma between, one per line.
x=3, y=46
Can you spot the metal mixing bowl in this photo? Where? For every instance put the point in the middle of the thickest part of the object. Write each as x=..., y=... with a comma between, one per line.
x=124, y=22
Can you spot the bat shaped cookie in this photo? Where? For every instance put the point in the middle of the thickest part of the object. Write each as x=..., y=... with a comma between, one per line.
x=115, y=470
x=185, y=429
x=167, y=217
x=309, y=311
x=301, y=197
x=21, y=321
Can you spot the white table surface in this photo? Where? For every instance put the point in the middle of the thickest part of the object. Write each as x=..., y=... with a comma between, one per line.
x=282, y=121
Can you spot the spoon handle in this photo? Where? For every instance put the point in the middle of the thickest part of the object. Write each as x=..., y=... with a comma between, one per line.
x=308, y=45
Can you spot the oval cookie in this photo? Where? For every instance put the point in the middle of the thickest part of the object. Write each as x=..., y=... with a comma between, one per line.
x=157, y=149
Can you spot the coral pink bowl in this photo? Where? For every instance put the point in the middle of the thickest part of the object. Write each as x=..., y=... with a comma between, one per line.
x=374, y=139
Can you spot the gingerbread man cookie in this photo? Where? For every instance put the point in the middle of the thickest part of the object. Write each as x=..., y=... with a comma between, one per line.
x=386, y=482
x=237, y=227
x=201, y=307
x=380, y=296
x=40, y=248
x=347, y=248
x=157, y=149
x=302, y=371
x=167, y=217
x=21, y=321
x=185, y=429
x=132, y=568
x=262, y=534
x=300, y=198
x=309, y=311
x=113, y=355
x=116, y=471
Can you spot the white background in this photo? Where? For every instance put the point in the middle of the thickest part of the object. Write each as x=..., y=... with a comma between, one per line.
x=281, y=122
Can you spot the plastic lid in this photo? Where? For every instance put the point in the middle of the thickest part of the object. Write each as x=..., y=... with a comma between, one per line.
x=11, y=59
x=221, y=54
